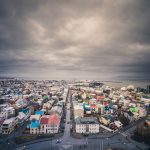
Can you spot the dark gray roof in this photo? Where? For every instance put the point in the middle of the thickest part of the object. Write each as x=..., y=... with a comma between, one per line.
x=87, y=120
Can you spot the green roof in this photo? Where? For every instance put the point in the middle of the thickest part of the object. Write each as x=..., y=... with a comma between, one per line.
x=133, y=109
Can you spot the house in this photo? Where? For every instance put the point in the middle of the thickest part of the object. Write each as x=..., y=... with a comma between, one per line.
x=86, y=108
x=92, y=101
x=118, y=124
x=35, y=124
x=34, y=127
x=87, y=125
x=56, y=109
x=129, y=115
x=1, y=123
x=78, y=111
x=20, y=103
x=8, y=112
x=142, y=112
x=104, y=120
x=39, y=112
x=49, y=124
x=47, y=105
x=94, y=108
x=147, y=121
x=21, y=117
x=35, y=117
x=27, y=111
x=9, y=125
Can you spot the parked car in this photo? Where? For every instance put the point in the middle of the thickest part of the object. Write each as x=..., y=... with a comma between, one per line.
x=58, y=141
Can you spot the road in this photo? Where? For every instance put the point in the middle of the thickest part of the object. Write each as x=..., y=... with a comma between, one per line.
x=66, y=136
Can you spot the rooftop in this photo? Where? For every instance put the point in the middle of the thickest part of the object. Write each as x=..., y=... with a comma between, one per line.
x=39, y=112
x=87, y=120
x=35, y=124
x=8, y=121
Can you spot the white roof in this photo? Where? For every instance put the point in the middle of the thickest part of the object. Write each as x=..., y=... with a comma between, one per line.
x=36, y=117
x=8, y=121
x=21, y=115
x=8, y=108
x=78, y=107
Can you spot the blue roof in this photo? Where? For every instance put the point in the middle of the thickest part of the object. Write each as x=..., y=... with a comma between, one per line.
x=25, y=111
x=39, y=112
x=35, y=124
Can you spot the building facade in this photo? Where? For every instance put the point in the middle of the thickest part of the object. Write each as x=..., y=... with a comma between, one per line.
x=87, y=125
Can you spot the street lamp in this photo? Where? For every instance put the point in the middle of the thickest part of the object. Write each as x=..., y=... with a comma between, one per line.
x=86, y=141
x=125, y=145
x=108, y=141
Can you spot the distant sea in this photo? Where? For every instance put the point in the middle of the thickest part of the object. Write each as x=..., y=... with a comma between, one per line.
x=137, y=83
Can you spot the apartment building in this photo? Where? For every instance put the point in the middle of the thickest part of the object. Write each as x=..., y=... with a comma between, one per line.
x=8, y=112
x=87, y=125
x=9, y=125
x=49, y=124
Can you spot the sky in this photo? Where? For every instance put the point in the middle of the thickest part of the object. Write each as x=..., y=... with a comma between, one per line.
x=75, y=39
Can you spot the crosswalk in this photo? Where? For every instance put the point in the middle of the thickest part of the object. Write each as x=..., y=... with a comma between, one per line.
x=96, y=144
x=66, y=147
x=101, y=147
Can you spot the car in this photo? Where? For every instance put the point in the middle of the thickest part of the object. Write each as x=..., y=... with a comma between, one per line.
x=58, y=141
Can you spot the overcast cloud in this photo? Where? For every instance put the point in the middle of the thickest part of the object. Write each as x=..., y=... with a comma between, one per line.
x=72, y=39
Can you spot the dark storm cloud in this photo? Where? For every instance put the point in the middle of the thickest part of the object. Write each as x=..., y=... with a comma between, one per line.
x=91, y=39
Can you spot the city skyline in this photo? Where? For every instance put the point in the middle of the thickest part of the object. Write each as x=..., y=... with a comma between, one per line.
x=75, y=39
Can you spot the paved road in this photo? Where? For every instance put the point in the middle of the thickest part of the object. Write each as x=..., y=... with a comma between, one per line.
x=66, y=136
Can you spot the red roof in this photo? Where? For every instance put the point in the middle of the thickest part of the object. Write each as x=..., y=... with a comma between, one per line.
x=51, y=119
x=93, y=106
x=44, y=120
x=100, y=97
x=54, y=119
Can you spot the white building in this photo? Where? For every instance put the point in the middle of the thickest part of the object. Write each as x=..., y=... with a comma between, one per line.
x=87, y=125
x=49, y=124
x=9, y=125
x=8, y=112
x=21, y=117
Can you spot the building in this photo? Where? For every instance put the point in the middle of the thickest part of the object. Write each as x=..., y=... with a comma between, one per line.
x=94, y=108
x=34, y=127
x=21, y=118
x=129, y=115
x=8, y=112
x=118, y=124
x=78, y=111
x=148, y=89
x=147, y=121
x=142, y=112
x=104, y=120
x=21, y=103
x=56, y=109
x=9, y=125
x=35, y=124
x=87, y=125
x=1, y=123
x=39, y=113
x=49, y=124
x=47, y=105
x=139, y=89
